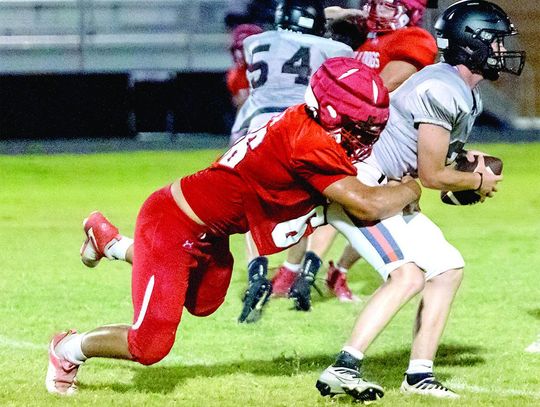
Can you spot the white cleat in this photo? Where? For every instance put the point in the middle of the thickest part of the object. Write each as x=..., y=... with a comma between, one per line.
x=428, y=387
x=341, y=380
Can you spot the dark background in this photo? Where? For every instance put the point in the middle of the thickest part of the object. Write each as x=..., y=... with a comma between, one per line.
x=109, y=105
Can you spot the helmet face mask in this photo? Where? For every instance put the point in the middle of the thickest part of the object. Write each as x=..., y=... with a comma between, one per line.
x=390, y=15
x=386, y=15
x=477, y=34
x=502, y=60
x=305, y=16
x=358, y=138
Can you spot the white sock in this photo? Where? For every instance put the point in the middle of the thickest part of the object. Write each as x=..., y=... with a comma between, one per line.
x=118, y=250
x=420, y=366
x=342, y=269
x=354, y=352
x=71, y=349
x=295, y=268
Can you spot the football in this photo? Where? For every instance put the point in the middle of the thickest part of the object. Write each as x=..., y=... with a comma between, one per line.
x=470, y=197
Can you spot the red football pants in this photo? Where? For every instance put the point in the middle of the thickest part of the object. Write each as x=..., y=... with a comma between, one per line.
x=176, y=263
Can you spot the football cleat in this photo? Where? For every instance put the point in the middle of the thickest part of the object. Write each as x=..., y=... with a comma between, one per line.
x=534, y=347
x=257, y=293
x=342, y=380
x=300, y=291
x=100, y=236
x=282, y=281
x=428, y=386
x=336, y=282
x=61, y=374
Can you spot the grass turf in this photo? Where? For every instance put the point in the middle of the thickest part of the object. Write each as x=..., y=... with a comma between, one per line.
x=215, y=361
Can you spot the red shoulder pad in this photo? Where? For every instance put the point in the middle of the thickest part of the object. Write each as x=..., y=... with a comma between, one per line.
x=413, y=45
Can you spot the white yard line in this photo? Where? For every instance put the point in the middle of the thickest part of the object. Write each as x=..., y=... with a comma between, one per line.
x=6, y=342
x=500, y=391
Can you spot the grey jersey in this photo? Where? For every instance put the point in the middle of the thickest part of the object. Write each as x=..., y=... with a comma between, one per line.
x=280, y=64
x=435, y=95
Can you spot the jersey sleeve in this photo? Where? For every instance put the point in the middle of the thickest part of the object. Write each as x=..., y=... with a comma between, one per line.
x=433, y=102
x=413, y=45
x=319, y=160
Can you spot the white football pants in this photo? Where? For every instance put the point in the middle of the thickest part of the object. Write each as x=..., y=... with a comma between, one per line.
x=389, y=243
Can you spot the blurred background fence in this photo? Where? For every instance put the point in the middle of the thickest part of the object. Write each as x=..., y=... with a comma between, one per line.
x=112, y=35
x=118, y=68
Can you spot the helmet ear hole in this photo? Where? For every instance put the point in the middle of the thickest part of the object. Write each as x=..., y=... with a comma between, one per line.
x=479, y=56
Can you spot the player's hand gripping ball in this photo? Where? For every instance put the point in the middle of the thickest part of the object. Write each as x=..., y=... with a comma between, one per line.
x=470, y=197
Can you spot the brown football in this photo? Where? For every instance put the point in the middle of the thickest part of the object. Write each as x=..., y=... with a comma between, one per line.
x=470, y=197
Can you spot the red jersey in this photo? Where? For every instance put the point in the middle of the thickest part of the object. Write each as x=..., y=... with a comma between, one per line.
x=411, y=44
x=270, y=182
x=237, y=80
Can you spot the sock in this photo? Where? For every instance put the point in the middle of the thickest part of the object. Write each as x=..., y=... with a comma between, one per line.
x=350, y=358
x=118, y=250
x=413, y=378
x=295, y=268
x=258, y=266
x=353, y=351
x=342, y=269
x=420, y=366
x=71, y=349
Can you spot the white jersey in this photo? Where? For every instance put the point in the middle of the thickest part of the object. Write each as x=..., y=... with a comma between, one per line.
x=435, y=95
x=280, y=64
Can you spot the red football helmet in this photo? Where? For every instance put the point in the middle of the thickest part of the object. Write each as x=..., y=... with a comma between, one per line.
x=350, y=101
x=390, y=15
x=239, y=34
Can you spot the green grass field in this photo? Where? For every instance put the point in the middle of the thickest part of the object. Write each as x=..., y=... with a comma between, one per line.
x=216, y=362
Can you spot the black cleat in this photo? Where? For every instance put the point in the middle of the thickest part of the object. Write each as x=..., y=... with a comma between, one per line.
x=300, y=291
x=257, y=293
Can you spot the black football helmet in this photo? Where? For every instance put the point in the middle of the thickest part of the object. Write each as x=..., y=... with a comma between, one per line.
x=473, y=33
x=306, y=16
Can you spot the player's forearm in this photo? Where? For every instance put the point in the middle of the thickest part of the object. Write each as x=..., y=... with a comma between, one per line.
x=373, y=203
x=394, y=198
x=339, y=13
x=383, y=202
x=450, y=180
